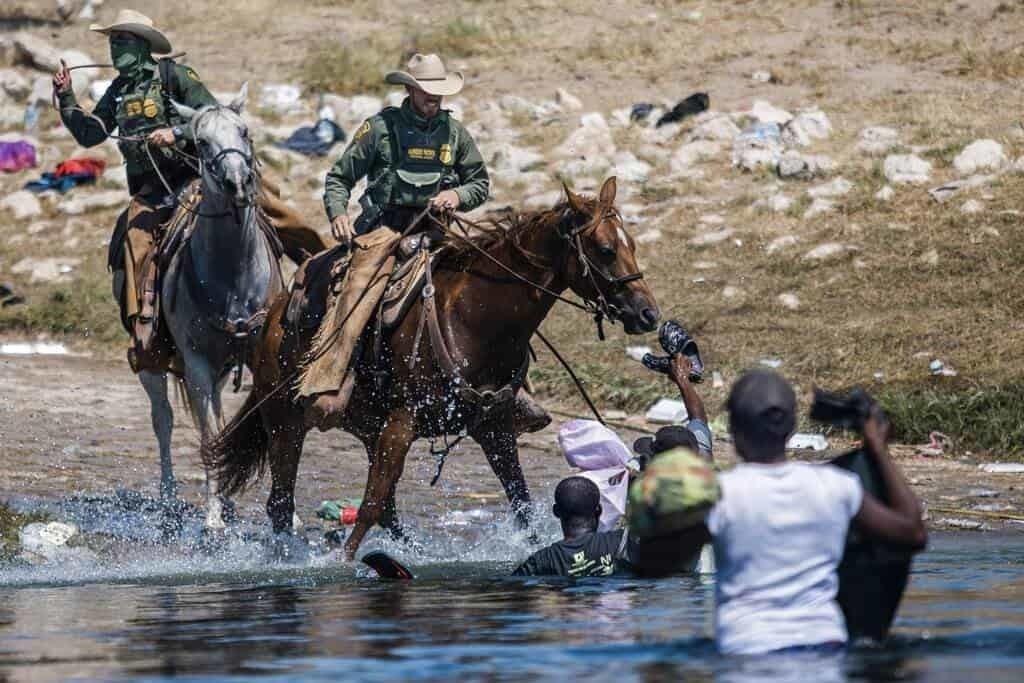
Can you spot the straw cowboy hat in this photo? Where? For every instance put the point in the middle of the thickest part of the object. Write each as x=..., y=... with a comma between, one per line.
x=137, y=24
x=427, y=73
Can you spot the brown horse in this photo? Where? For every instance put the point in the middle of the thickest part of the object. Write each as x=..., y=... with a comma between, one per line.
x=486, y=320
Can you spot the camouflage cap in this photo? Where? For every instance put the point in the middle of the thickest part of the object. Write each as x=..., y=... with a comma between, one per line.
x=675, y=492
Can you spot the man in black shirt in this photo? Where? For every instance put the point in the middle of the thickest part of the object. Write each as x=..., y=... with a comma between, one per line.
x=583, y=551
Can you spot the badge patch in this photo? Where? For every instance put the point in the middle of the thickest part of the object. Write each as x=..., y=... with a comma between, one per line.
x=149, y=109
x=422, y=153
x=446, y=154
x=361, y=132
x=133, y=108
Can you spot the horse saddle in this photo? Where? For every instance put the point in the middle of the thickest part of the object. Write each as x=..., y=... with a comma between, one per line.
x=319, y=279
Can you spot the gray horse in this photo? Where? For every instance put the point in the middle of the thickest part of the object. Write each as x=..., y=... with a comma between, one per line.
x=217, y=287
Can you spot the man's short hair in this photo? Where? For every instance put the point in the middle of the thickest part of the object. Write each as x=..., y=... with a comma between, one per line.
x=666, y=439
x=577, y=497
x=762, y=407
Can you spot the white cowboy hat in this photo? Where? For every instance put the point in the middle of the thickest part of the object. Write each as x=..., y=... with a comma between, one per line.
x=137, y=24
x=427, y=73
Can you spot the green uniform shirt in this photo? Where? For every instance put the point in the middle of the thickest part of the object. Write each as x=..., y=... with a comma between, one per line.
x=369, y=154
x=88, y=132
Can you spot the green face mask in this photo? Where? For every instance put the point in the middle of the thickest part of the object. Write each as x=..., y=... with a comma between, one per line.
x=129, y=54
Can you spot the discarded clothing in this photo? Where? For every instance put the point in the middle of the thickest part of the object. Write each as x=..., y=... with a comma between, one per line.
x=602, y=456
x=17, y=156
x=314, y=140
x=641, y=111
x=694, y=104
x=68, y=174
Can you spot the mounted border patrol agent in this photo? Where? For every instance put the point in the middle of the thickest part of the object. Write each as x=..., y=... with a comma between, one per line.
x=413, y=156
x=139, y=104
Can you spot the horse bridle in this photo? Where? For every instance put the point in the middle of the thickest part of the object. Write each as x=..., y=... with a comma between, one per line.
x=213, y=165
x=602, y=308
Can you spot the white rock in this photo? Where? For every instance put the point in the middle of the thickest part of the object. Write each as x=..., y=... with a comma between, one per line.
x=515, y=104
x=584, y=166
x=627, y=167
x=714, y=237
x=825, y=251
x=811, y=123
x=42, y=91
x=11, y=115
x=765, y=112
x=543, y=200
x=930, y=257
x=507, y=157
x=732, y=292
x=777, y=203
x=92, y=202
x=592, y=138
x=14, y=84
x=711, y=219
x=878, y=140
x=567, y=100
x=694, y=152
x=649, y=236
x=283, y=98
x=836, y=188
x=789, y=300
x=22, y=204
x=781, y=242
x=947, y=190
x=906, y=168
x=715, y=127
x=761, y=76
x=885, y=194
x=753, y=158
x=980, y=155
x=972, y=206
x=45, y=269
x=793, y=165
x=819, y=206
x=117, y=175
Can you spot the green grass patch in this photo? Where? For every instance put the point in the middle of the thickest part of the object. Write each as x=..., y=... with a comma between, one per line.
x=348, y=69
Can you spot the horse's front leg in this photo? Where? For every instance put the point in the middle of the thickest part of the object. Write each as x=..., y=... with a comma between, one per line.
x=162, y=416
x=496, y=437
x=201, y=385
x=386, y=467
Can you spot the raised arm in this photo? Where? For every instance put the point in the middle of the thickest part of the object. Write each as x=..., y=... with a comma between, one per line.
x=88, y=131
x=680, y=372
x=899, y=521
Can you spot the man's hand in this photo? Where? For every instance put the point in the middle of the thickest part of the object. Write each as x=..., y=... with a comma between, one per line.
x=161, y=137
x=341, y=228
x=446, y=201
x=680, y=368
x=62, y=79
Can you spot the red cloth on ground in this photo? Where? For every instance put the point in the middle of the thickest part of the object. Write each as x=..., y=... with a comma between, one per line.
x=82, y=166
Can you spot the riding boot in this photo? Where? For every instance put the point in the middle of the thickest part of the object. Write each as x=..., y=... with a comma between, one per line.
x=528, y=416
x=145, y=327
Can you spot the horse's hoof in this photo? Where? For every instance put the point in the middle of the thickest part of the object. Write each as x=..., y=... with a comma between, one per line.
x=287, y=547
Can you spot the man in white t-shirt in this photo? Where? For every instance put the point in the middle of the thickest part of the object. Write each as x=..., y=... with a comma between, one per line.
x=780, y=527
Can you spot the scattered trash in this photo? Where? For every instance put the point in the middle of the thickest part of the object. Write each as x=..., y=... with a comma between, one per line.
x=771, y=362
x=983, y=493
x=761, y=76
x=32, y=349
x=315, y=140
x=280, y=97
x=637, y=353
x=69, y=174
x=804, y=442
x=940, y=369
x=343, y=511
x=1002, y=468
x=716, y=380
x=938, y=444
x=640, y=111
x=667, y=411
x=879, y=376
x=692, y=105
x=960, y=523
x=17, y=156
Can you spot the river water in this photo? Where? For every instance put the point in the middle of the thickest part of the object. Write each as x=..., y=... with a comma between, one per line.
x=240, y=608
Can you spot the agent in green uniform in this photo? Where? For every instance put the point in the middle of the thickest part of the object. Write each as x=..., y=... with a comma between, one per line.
x=138, y=104
x=412, y=156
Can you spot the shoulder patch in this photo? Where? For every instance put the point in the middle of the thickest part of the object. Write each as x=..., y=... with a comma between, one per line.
x=361, y=132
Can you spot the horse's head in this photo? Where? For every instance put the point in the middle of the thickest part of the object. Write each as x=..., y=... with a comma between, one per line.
x=602, y=265
x=224, y=147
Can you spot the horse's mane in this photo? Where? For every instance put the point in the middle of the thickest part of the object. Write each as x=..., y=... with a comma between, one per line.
x=510, y=229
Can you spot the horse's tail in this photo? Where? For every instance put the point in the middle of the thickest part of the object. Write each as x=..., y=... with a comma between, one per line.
x=239, y=453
